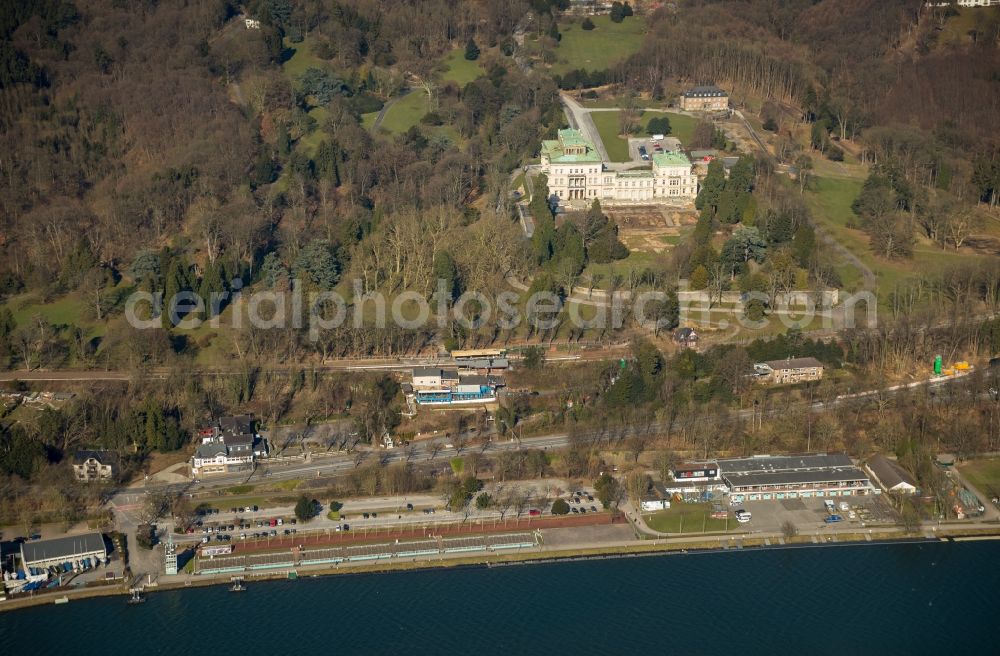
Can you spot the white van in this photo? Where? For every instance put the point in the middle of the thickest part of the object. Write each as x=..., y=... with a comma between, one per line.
x=742, y=516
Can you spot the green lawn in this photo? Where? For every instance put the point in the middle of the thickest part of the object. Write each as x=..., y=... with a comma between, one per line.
x=70, y=309
x=681, y=125
x=310, y=142
x=405, y=112
x=368, y=120
x=599, y=48
x=984, y=475
x=830, y=198
x=636, y=261
x=688, y=518
x=301, y=59
x=607, y=125
x=459, y=69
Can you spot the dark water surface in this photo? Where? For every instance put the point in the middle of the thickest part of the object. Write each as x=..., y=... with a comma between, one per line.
x=871, y=599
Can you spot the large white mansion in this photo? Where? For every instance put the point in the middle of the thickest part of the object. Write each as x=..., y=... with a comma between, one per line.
x=575, y=172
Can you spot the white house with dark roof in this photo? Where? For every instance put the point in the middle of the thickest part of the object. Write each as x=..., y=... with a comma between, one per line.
x=890, y=475
x=95, y=465
x=576, y=171
x=707, y=98
x=232, y=445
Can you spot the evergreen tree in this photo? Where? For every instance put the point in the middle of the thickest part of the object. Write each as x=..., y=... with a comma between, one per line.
x=445, y=269
x=320, y=264
x=658, y=125
x=568, y=247
x=273, y=271
x=146, y=270
x=712, y=186
x=617, y=12
x=211, y=283
x=284, y=142
x=177, y=281
x=326, y=162
x=804, y=245
x=471, y=50
x=699, y=277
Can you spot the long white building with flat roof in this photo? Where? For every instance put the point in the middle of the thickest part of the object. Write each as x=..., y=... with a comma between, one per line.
x=576, y=172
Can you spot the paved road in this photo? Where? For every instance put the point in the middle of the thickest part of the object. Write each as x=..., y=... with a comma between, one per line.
x=579, y=118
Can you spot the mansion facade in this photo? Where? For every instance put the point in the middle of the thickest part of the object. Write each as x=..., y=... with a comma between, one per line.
x=576, y=172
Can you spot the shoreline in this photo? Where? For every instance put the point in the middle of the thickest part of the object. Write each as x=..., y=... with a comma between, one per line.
x=535, y=557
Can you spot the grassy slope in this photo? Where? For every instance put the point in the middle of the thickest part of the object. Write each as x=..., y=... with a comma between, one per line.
x=830, y=200
x=607, y=126
x=405, y=112
x=598, y=49
x=459, y=69
x=636, y=261
x=984, y=475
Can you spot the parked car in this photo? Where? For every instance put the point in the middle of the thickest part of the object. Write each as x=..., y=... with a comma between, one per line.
x=844, y=506
x=833, y=519
x=742, y=516
x=534, y=512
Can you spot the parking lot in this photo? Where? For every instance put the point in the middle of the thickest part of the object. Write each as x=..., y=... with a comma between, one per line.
x=810, y=514
x=582, y=502
x=666, y=144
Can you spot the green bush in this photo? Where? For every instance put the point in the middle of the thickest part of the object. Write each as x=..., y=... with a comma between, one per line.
x=432, y=118
x=305, y=508
x=587, y=24
x=560, y=507
x=658, y=125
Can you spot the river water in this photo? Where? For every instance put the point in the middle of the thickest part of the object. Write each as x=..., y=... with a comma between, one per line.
x=916, y=598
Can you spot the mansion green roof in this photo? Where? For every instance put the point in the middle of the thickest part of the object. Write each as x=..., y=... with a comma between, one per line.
x=671, y=159
x=572, y=137
x=554, y=150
